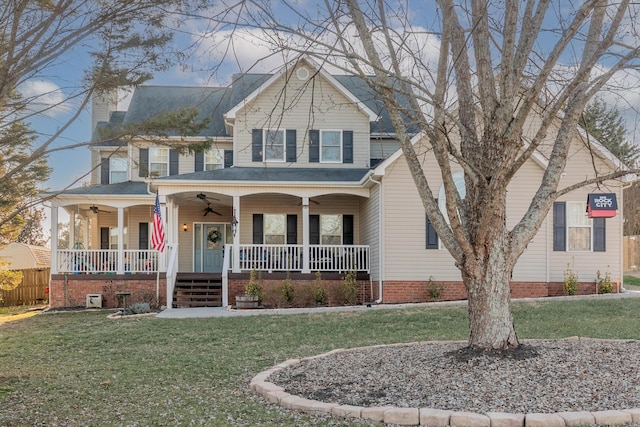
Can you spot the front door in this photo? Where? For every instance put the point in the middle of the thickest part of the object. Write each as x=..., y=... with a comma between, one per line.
x=209, y=246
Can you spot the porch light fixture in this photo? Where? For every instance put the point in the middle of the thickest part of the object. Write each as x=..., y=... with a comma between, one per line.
x=234, y=223
x=184, y=227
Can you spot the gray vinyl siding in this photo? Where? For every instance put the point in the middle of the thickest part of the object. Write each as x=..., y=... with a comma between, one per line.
x=370, y=230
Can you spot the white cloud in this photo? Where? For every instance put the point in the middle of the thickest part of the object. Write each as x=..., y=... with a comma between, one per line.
x=44, y=97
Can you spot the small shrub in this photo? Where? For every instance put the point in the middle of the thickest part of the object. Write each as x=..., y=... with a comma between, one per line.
x=139, y=308
x=319, y=293
x=287, y=291
x=570, y=281
x=348, y=290
x=434, y=289
x=254, y=287
x=604, y=283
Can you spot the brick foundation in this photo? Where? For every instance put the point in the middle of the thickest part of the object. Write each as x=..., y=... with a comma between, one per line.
x=71, y=290
x=304, y=286
x=396, y=292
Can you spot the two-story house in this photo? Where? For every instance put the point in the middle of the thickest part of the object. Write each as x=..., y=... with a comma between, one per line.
x=303, y=176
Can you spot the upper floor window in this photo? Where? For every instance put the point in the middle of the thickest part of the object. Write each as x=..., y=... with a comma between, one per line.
x=117, y=169
x=159, y=161
x=274, y=148
x=578, y=227
x=275, y=229
x=213, y=159
x=331, y=146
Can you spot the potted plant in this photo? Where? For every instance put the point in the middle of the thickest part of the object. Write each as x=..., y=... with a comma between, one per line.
x=252, y=296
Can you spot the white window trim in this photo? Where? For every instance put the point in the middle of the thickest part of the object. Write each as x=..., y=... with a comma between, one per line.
x=340, y=134
x=568, y=226
x=284, y=145
x=167, y=163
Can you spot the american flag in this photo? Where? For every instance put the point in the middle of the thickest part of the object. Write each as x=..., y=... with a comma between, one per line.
x=157, y=235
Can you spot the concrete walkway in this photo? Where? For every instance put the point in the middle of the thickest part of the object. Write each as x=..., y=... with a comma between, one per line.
x=202, y=312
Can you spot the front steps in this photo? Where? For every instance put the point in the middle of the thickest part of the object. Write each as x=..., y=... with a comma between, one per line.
x=197, y=290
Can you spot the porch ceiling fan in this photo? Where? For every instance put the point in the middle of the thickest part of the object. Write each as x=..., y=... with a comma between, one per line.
x=95, y=209
x=208, y=209
x=204, y=197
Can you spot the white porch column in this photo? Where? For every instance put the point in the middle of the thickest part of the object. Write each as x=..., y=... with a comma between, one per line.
x=54, y=239
x=236, y=237
x=120, y=265
x=305, y=235
x=72, y=230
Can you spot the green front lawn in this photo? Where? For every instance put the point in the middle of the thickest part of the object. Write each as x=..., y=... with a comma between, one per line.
x=632, y=282
x=80, y=368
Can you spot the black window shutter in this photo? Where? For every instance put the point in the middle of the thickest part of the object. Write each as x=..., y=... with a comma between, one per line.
x=292, y=229
x=256, y=145
x=291, y=145
x=104, y=171
x=559, y=226
x=228, y=158
x=143, y=235
x=104, y=237
x=314, y=146
x=173, y=162
x=314, y=229
x=347, y=229
x=432, y=236
x=347, y=146
x=599, y=235
x=199, y=159
x=258, y=237
x=143, y=166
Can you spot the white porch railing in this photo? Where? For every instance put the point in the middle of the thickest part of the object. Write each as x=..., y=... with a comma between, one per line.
x=95, y=261
x=289, y=257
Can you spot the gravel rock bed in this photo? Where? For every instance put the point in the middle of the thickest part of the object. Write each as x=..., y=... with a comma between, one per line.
x=545, y=376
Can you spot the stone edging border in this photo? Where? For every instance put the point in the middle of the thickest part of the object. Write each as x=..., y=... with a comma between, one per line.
x=429, y=416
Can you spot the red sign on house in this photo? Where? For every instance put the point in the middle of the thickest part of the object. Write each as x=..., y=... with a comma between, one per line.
x=602, y=205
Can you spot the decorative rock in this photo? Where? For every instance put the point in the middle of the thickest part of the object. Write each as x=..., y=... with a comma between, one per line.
x=543, y=420
x=402, y=416
x=612, y=417
x=577, y=418
x=503, y=419
x=434, y=417
x=469, y=419
x=346, y=411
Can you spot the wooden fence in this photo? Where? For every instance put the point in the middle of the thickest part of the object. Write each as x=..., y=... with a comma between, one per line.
x=32, y=290
x=631, y=253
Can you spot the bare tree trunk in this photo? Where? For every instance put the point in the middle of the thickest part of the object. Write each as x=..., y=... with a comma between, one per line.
x=488, y=286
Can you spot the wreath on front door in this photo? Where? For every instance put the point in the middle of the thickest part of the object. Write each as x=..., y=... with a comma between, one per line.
x=213, y=236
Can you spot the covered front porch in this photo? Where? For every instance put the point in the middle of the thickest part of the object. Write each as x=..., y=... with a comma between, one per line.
x=212, y=232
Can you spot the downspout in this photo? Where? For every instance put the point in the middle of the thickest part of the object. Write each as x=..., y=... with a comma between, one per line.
x=380, y=238
x=623, y=185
